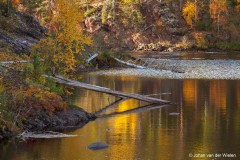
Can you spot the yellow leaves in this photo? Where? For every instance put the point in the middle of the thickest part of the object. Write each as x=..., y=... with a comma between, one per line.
x=127, y=2
x=67, y=17
x=189, y=11
x=1, y=85
x=237, y=7
x=66, y=39
x=8, y=56
x=217, y=7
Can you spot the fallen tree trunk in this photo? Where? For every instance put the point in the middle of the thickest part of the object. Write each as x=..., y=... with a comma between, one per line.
x=11, y=68
x=74, y=83
x=45, y=135
x=128, y=64
x=91, y=58
x=16, y=62
x=77, y=84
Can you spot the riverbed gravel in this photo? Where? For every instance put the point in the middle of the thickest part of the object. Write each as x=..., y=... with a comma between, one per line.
x=183, y=69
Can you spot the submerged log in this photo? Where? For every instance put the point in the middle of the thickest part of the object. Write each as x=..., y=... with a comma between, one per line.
x=135, y=110
x=110, y=106
x=78, y=84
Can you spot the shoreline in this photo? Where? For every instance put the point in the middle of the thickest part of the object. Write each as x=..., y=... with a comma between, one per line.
x=190, y=69
x=71, y=118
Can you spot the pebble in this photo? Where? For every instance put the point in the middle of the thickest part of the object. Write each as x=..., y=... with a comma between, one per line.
x=193, y=69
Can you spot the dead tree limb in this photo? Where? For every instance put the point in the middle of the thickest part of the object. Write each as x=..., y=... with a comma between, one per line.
x=91, y=58
x=128, y=64
x=111, y=105
x=139, y=109
x=77, y=84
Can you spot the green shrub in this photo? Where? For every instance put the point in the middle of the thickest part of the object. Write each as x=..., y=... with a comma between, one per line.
x=89, y=12
x=185, y=43
x=234, y=46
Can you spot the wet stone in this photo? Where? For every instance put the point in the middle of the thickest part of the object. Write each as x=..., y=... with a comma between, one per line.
x=174, y=114
x=98, y=145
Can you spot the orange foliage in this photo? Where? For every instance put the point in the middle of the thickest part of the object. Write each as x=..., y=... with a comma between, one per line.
x=15, y=3
x=34, y=99
x=8, y=56
x=201, y=41
x=237, y=7
x=217, y=9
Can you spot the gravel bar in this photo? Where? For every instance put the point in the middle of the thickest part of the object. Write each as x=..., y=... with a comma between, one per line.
x=193, y=69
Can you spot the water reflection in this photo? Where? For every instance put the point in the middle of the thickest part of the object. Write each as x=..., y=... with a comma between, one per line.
x=189, y=55
x=209, y=123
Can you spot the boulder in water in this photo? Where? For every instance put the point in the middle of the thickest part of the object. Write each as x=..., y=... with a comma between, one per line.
x=98, y=145
x=174, y=114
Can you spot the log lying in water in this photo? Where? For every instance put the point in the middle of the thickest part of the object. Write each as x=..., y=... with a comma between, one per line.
x=129, y=64
x=78, y=84
x=45, y=135
x=146, y=65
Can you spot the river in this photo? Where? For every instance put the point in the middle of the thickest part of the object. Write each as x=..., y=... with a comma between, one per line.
x=208, y=123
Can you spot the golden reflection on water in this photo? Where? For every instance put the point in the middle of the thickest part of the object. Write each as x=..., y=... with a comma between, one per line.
x=218, y=94
x=209, y=122
x=189, y=92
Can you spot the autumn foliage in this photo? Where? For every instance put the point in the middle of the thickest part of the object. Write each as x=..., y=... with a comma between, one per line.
x=189, y=12
x=33, y=99
x=66, y=39
x=218, y=9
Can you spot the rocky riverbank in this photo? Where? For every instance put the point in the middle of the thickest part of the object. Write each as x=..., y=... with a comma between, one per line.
x=19, y=32
x=70, y=118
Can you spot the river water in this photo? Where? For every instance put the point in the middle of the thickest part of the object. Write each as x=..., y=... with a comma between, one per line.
x=208, y=123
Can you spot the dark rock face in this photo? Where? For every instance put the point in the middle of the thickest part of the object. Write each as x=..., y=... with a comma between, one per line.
x=71, y=118
x=20, y=31
x=98, y=145
x=175, y=25
x=160, y=23
x=6, y=133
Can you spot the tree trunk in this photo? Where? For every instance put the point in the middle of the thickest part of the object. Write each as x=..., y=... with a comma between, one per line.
x=63, y=80
x=180, y=4
x=218, y=21
x=196, y=12
x=114, y=8
x=8, y=6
